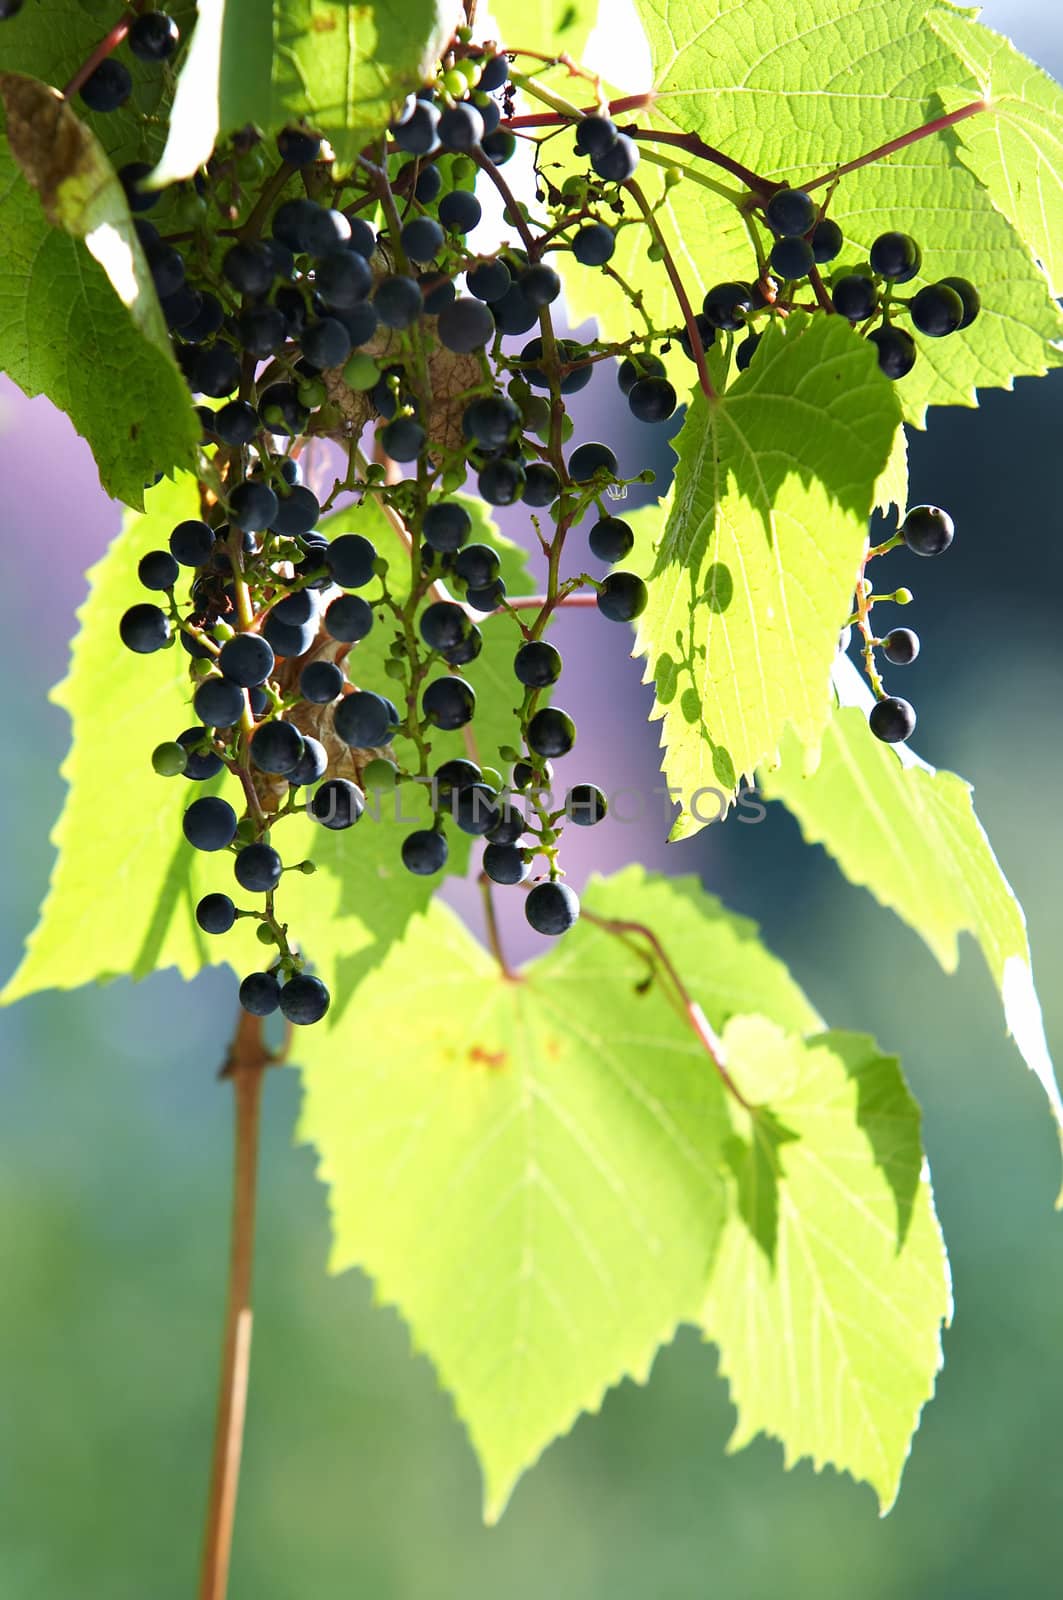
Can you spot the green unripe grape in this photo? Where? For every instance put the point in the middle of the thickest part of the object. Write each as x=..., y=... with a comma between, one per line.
x=380, y=774
x=904, y=597
x=567, y=427
x=672, y=176
x=312, y=393
x=245, y=832
x=454, y=82
x=535, y=413
x=653, y=251
x=251, y=164
x=361, y=373
x=453, y=480
x=469, y=70
x=376, y=473
x=464, y=34
x=201, y=668
x=395, y=668
x=519, y=390
x=380, y=566
x=493, y=777
x=307, y=868
x=169, y=759
x=574, y=188
x=223, y=631
x=264, y=934
x=463, y=170
x=190, y=210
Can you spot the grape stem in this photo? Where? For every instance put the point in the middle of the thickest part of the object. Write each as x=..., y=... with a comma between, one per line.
x=697, y=349
x=864, y=602
x=245, y=1064
x=494, y=938
x=685, y=1003
x=924, y=131
x=539, y=602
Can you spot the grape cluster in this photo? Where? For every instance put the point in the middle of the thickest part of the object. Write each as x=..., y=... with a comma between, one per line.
x=303, y=304
x=925, y=531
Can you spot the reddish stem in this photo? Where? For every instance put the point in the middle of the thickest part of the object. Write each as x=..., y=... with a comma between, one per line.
x=697, y=349
x=536, y=602
x=553, y=119
x=938, y=125
x=708, y=152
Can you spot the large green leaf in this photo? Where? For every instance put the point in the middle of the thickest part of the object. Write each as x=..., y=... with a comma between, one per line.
x=550, y=26
x=831, y=1283
x=1016, y=146
x=531, y=1169
x=755, y=572
x=910, y=835
x=125, y=884
x=791, y=101
x=344, y=67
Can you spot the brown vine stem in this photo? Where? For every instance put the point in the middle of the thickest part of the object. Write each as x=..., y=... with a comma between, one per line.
x=246, y=1063
x=691, y=1011
x=924, y=131
x=494, y=938
x=536, y=602
x=697, y=349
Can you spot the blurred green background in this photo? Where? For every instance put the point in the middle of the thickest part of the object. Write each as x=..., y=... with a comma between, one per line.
x=114, y=1170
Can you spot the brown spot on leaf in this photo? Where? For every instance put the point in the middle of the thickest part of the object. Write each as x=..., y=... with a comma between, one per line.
x=56, y=151
x=494, y=1060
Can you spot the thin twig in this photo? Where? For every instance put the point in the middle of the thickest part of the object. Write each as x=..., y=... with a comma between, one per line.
x=494, y=938
x=691, y=1010
x=697, y=349
x=246, y=1064
x=938, y=125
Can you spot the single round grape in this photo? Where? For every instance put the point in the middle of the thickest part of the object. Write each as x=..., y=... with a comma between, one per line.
x=304, y=999
x=448, y=703
x=466, y=650
x=260, y=994
x=551, y=732
x=252, y=506
x=747, y=350
x=526, y=776
x=512, y=825
x=321, y=682
x=209, y=824
x=350, y=560
x=281, y=409
x=632, y=368
x=218, y=703
x=892, y=720
x=589, y=459
x=855, y=297
x=170, y=759
x=326, y=343
x=426, y=184
x=727, y=304
x=896, y=350
x=191, y=543
x=364, y=720
x=617, y=163
x=594, y=244
x=417, y=135
x=489, y=281
x=706, y=333
x=343, y=279
x=585, y=805
x=248, y=267
x=338, y=804
x=901, y=646
x=236, y=422
x=312, y=764
x=896, y=256
x=246, y=660
x=446, y=526
x=499, y=146
x=297, y=513
x=501, y=482
x=422, y=238
x=460, y=211
x=490, y=421
x=478, y=565
x=403, y=439
x=937, y=310
x=424, y=852
x=540, y=285
x=541, y=484
x=465, y=325
x=461, y=128
x=622, y=597
x=827, y=241
x=158, y=570
x=537, y=664
x=287, y=639
x=595, y=135
x=258, y=868
x=652, y=400
x=215, y=371
x=443, y=624
x=108, y=87
x=153, y=36
x=144, y=628
x=199, y=764
x=349, y=618
x=298, y=146
x=551, y=908
x=138, y=199
x=790, y=213
x=398, y=301
x=611, y=539
x=215, y=913
x=972, y=301
x=475, y=809
x=261, y=330
x=792, y=259
x=927, y=530
x=504, y=863
x=167, y=267
x=514, y=312
x=276, y=748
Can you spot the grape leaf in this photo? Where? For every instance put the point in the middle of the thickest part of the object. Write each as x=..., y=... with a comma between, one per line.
x=891, y=490
x=98, y=349
x=563, y=1133
x=747, y=80
x=831, y=1284
x=125, y=884
x=909, y=834
x=550, y=26
x=342, y=66
x=1015, y=147
x=755, y=572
